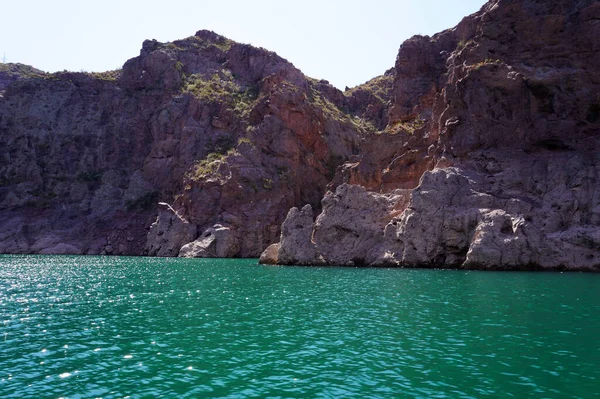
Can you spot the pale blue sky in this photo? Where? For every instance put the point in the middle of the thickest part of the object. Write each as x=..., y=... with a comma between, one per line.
x=346, y=42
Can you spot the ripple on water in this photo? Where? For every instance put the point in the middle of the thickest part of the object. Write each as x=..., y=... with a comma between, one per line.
x=81, y=327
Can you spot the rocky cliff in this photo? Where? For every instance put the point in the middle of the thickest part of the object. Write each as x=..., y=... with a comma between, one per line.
x=189, y=135
x=493, y=133
x=477, y=150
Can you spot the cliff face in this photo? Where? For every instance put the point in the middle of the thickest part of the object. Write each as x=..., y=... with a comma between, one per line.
x=496, y=126
x=478, y=149
x=220, y=132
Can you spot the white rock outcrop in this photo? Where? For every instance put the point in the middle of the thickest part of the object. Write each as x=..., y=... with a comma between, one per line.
x=458, y=218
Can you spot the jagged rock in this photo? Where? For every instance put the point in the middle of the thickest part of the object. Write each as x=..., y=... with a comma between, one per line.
x=230, y=133
x=12, y=72
x=296, y=246
x=350, y=228
x=503, y=109
x=500, y=242
x=347, y=232
x=454, y=218
x=215, y=242
x=169, y=233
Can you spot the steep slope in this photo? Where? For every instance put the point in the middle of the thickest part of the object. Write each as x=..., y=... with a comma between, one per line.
x=496, y=131
x=220, y=132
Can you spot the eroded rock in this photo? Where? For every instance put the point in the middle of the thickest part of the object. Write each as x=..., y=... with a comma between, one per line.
x=169, y=233
x=215, y=242
x=297, y=246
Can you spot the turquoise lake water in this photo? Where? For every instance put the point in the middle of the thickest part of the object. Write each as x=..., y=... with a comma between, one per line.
x=115, y=327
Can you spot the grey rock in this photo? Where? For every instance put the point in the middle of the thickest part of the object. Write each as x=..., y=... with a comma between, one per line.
x=351, y=226
x=297, y=247
x=215, y=242
x=457, y=218
x=169, y=233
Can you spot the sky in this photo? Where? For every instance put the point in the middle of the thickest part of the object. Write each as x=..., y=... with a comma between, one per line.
x=346, y=42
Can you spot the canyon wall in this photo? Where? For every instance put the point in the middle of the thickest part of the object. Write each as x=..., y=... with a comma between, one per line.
x=188, y=135
x=478, y=149
x=499, y=121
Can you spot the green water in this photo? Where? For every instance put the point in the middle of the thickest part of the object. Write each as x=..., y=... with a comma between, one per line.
x=107, y=327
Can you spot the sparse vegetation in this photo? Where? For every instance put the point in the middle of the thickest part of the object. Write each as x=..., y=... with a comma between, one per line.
x=408, y=126
x=110, y=76
x=330, y=110
x=463, y=43
x=198, y=43
x=244, y=140
x=379, y=86
x=222, y=87
x=206, y=166
x=364, y=124
x=174, y=46
x=210, y=165
x=487, y=61
x=267, y=184
x=223, y=44
x=22, y=70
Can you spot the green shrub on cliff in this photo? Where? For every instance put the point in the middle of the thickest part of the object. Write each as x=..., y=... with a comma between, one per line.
x=380, y=86
x=22, y=70
x=487, y=61
x=222, y=88
x=209, y=166
x=110, y=76
x=410, y=126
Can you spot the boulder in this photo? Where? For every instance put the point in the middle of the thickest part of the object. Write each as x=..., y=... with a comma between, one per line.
x=270, y=256
x=215, y=242
x=296, y=246
x=169, y=233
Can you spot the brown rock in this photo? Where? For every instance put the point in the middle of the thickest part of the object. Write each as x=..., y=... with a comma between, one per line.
x=270, y=256
x=504, y=106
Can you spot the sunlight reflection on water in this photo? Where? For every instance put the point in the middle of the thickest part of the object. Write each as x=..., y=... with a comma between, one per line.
x=79, y=327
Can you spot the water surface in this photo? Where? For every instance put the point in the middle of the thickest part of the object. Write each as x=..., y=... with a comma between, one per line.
x=112, y=327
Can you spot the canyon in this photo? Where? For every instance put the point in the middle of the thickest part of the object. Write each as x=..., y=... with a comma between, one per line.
x=478, y=149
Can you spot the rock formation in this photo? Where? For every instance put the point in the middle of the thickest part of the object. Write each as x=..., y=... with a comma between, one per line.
x=478, y=149
x=220, y=132
x=498, y=126
x=216, y=242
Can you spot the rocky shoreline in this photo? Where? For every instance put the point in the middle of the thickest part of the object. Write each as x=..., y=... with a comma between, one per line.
x=478, y=150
